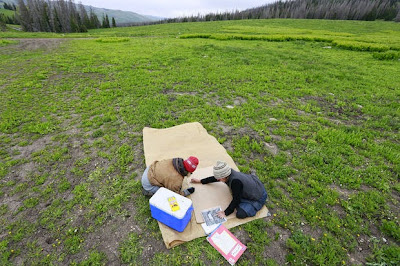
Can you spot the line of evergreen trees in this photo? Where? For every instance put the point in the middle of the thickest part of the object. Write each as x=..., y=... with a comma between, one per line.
x=8, y=19
x=2, y=22
x=307, y=9
x=10, y=6
x=58, y=16
x=329, y=9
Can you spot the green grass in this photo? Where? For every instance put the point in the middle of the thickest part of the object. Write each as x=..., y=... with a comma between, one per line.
x=6, y=42
x=7, y=12
x=324, y=93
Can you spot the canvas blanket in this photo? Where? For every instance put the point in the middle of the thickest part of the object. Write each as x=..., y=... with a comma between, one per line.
x=186, y=140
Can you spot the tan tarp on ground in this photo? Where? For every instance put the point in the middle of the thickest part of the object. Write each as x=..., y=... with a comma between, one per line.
x=183, y=141
x=209, y=196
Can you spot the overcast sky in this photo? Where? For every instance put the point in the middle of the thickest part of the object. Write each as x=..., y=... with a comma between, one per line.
x=175, y=8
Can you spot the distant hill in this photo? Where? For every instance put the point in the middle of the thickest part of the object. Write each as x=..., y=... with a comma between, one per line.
x=121, y=17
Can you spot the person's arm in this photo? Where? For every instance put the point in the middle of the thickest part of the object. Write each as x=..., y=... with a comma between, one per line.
x=204, y=181
x=237, y=188
x=209, y=179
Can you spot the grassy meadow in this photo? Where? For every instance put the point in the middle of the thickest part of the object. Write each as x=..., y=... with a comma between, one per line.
x=7, y=12
x=312, y=106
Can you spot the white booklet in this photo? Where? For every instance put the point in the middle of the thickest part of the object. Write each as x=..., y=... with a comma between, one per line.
x=209, y=229
x=210, y=216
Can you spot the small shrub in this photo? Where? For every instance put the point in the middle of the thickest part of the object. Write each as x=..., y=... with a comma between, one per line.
x=125, y=156
x=386, y=255
x=95, y=258
x=7, y=42
x=112, y=40
x=30, y=203
x=4, y=250
x=98, y=133
x=40, y=128
x=73, y=244
x=3, y=209
x=64, y=185
x=130, y=250
x=388, y=55
x=23, y=143
x=361, y=46
x=391, y=228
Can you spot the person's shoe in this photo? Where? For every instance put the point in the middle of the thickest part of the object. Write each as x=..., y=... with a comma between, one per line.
x=146, y=193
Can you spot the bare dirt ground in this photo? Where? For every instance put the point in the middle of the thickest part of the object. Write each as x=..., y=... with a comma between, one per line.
x=35, y=44
x=32, y=44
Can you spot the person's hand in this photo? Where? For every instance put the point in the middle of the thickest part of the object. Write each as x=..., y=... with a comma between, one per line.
x=195, y=180
x=221, y=214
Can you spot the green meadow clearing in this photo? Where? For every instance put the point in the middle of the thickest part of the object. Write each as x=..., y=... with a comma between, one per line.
x=312, y=106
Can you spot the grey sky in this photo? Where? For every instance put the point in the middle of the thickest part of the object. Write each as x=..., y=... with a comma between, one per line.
x=175, y=8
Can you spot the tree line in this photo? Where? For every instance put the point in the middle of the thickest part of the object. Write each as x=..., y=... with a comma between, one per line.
x=58, y=16
x=329, y=9
x=8, y=19
x=10, y=6
x=305, y=9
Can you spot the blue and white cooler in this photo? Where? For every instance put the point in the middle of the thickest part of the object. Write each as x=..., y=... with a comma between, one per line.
x=171, y=209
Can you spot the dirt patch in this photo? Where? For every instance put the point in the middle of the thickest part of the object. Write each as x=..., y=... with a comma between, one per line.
x=361, y=251
x=74, y=79
x=150, y=248
x=339, y=211
x=108, y=237
x=335, y=109
x=276, y=137
x=344, y=193
x=227, y=102
x=46, y=44
x=276, y=102
x=20, y=173
x=277, y=249
x=239, y=101
x=13, y=203
x=178, y=93
x=39, y=144
x=272, y=148
x=394, y=203
x=315, y=232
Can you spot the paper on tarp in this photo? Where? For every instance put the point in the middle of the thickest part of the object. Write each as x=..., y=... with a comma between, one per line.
x=184, y=141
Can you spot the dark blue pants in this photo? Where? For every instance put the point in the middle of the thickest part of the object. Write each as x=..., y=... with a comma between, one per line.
x=251, y=207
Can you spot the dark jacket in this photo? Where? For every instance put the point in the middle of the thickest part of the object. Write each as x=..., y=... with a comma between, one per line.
x=243, y=186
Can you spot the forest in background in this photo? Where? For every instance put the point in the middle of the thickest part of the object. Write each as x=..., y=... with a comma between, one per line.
x=369, y=10
x=54, y=16
x=65, y=16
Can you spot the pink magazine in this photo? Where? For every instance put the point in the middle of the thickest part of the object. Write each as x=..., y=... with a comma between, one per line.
x=226, y=244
